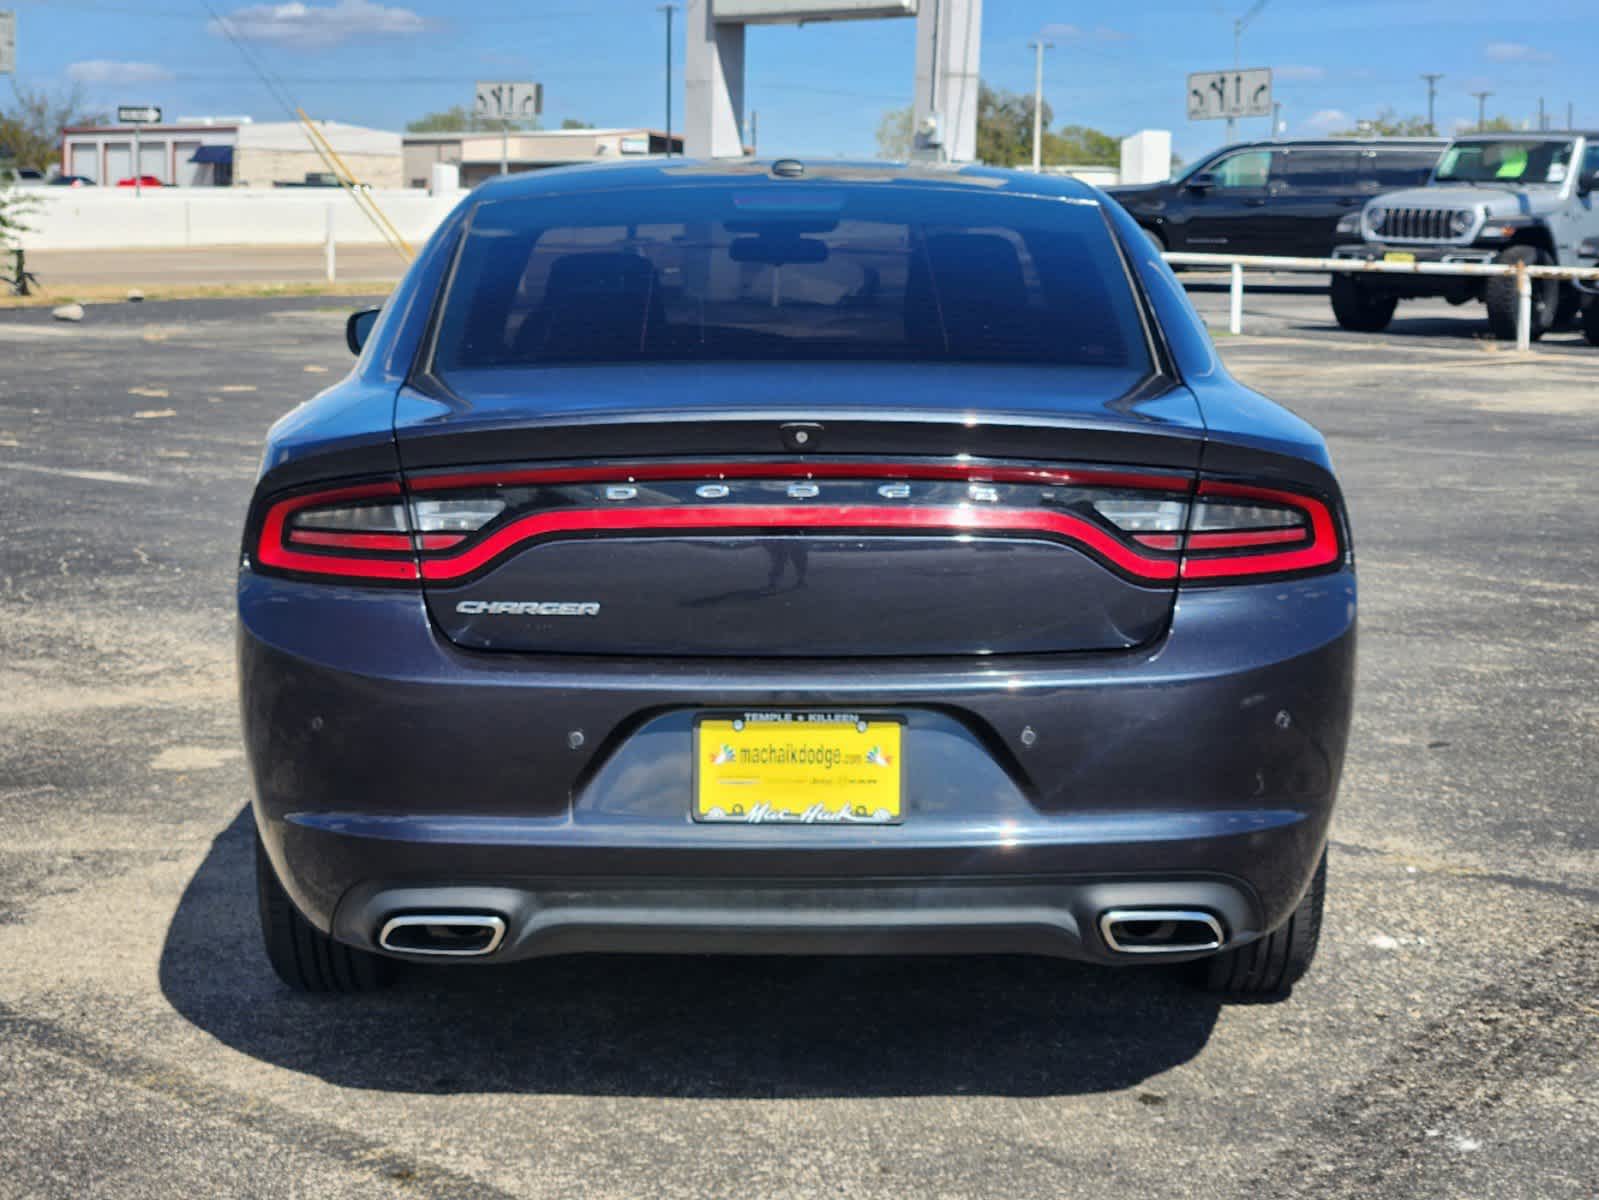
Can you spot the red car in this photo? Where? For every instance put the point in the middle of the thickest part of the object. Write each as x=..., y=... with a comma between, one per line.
x=142, y=181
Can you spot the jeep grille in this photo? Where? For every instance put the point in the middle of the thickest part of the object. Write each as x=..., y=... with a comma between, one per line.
x=1423, y=224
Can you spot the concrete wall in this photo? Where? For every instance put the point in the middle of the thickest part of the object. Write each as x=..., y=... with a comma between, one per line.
x=114, y=218
x=259, y=168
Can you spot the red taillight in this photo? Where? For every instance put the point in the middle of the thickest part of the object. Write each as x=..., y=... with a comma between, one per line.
x=1238, y=531
x=1153, y=528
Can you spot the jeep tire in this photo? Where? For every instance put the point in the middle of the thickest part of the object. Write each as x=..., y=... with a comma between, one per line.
x=1590, y=321
x=1500, y=294
x=1358, y=306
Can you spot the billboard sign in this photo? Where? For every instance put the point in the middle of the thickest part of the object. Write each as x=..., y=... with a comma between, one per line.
x=508, y=101
x=1245, y=92
x=793, y=12
x=138, y=114
x=8, y=43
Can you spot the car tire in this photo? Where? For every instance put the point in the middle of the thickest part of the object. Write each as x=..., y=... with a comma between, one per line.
x=1360, y=308
x=1568, y=312
x=1500, y=293
x=1155, y=240
x=1270, y=966
x=1590, y=321
x=304, y=957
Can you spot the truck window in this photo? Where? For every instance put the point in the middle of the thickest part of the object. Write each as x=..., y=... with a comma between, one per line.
x=1246, y=169
x=1399, y=168
x=1315, y=170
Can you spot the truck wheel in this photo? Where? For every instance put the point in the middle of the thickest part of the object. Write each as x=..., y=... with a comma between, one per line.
x=1500, y=293
x=1271, y=965
x=1590, y=321
x=1568, y=310
x=1360, y=307
x=304, y=957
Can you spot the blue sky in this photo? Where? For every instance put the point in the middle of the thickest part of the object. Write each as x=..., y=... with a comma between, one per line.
x=819, y=89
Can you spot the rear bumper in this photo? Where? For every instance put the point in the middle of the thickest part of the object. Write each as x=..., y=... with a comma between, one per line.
x=393, y=769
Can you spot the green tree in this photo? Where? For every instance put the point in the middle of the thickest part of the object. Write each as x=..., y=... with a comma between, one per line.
x=574, y=123
x=1496, y=125
x=1080, y=146
x=15, y=204
x=460, y=119
x=895, y=135
x=1388, y=123
x=31, y=125
x=1005, y=127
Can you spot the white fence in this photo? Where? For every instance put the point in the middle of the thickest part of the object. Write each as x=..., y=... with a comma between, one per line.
x=117, y=219
x=1235, y=263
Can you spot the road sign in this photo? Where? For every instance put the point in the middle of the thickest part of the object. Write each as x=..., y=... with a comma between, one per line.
x=1245, y=92
x=8, y=42
x=138, y=114
x=509, y=101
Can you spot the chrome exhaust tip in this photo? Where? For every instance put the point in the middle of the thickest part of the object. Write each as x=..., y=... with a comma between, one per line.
x=1160, y=931
x=443, y=935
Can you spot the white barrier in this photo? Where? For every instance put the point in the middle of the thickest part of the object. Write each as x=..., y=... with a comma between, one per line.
x=117, y=219
x=1237, y=262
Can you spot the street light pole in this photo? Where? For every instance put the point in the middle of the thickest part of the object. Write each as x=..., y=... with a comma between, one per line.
x=668, y=9
x=1239, y=25
x=1038, y=102
x=1432, y=94
x=1482, y=108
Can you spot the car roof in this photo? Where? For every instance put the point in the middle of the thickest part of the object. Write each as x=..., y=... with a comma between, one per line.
x=1524, y=135
x=1340, y=142
x=659, y=171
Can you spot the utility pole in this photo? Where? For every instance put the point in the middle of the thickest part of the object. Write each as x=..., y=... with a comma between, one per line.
x=755, y=133
x=1571, y=120
x=1239, y=25
x=1276, y=119
x=1543, y=121
x=668, y=9
x=1482, y=108
x=1432, y=95
x=1038, y=102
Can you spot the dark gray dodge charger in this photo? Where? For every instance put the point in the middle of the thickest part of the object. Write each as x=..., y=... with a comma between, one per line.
x=792, y=558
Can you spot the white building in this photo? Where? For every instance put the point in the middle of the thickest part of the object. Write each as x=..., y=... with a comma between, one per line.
x=232, y=153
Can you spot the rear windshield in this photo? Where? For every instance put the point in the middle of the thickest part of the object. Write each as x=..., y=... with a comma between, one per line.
x=1500, y=161
x=789, y=271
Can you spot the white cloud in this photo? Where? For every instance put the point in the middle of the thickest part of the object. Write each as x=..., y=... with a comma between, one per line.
x=1076, y=33
x=318, y=26
x=95, y=72
x=1329, y=120
x=1515, y=52
x=1299, y=74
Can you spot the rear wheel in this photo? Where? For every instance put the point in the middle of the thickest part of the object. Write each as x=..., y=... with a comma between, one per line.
x=1359, y=307
x=304, y=957
x=1500, y=294
x=1272, y=965
x=1590, y=321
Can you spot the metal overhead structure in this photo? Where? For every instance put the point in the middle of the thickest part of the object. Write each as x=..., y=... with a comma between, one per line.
x=944, y=105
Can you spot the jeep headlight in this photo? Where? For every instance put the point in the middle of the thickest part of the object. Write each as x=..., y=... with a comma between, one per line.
x=1460, y=222
x=1349, y=223
x=1375, y=218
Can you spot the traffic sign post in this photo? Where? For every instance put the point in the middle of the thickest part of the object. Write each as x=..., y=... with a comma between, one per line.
x=506, y=102
x=1217, y=95
x=137, y=115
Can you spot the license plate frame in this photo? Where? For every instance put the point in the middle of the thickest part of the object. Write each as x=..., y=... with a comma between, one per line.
x=864, y=787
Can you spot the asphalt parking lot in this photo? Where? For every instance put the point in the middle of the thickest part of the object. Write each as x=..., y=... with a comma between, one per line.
x=1445, y=1045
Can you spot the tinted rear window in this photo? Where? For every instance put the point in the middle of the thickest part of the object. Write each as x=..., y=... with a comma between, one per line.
x=789, y=271
x=1401, y=168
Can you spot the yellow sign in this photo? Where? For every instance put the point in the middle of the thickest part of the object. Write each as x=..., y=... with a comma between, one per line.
x=1399, y=256
x=801, y=768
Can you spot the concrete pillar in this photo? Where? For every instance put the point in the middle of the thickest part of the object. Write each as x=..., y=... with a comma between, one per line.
x=713, y=84
x=948, y=48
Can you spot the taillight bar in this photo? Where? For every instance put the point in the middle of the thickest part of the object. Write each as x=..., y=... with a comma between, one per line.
x=372, y=532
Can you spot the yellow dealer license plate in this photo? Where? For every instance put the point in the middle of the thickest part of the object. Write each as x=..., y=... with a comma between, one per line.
x=1399, y=256
x=799, y=768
